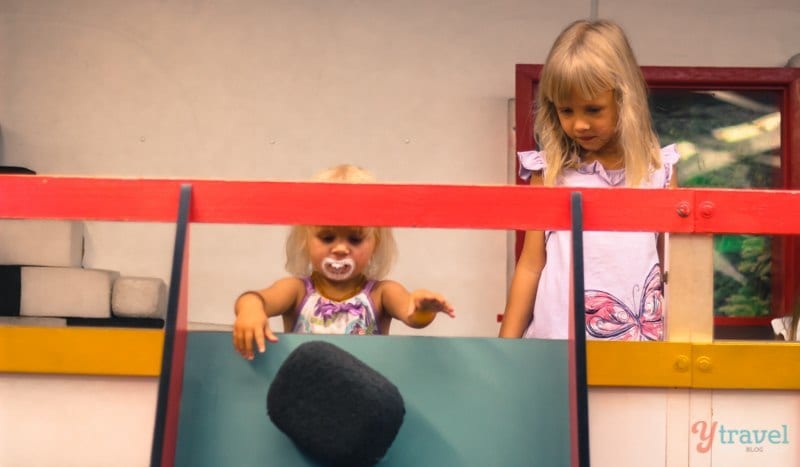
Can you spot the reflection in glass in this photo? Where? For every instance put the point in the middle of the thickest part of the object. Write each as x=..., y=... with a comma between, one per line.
x=728, y=139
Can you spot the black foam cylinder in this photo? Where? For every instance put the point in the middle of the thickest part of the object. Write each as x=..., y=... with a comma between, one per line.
x=334, y=407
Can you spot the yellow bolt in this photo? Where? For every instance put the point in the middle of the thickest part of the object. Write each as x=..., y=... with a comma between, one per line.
x=682, y=363
x=704, y=363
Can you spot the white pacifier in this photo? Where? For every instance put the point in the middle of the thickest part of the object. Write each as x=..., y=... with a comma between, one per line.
x=338, y=269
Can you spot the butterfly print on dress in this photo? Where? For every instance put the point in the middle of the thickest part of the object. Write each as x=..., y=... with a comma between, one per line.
x=607, y=317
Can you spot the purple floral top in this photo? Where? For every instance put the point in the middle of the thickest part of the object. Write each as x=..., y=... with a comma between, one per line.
x=319, y=315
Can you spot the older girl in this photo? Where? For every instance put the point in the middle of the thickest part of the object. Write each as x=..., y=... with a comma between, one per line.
x=594, y=129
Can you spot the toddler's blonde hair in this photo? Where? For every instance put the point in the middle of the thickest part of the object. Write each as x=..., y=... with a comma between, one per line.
x=297, y=260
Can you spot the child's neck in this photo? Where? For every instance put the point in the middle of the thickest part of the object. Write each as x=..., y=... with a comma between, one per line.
x=338, y=291
x=611, y=159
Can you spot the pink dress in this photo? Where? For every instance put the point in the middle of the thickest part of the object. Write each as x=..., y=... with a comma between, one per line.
x=622, y=276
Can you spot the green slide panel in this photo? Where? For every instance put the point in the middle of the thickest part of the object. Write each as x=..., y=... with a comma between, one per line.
x=469, y=401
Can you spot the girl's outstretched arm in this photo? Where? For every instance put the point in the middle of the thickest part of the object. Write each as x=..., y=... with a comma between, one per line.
x=254, y=308
x=522, y=294
x=416, y=309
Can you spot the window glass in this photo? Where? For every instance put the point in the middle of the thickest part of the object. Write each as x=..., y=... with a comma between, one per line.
x=728, y=139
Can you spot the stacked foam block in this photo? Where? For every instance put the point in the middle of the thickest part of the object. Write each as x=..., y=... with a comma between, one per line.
x=43, y=281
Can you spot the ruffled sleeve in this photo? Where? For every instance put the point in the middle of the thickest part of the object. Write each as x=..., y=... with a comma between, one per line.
x=669, y=157
x=669, y=154
x=530, y=161
x=783, y=327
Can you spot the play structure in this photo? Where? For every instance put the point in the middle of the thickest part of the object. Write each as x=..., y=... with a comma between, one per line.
x=469, y=401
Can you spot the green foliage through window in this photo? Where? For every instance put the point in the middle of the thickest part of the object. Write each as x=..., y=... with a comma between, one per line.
x=727, y=140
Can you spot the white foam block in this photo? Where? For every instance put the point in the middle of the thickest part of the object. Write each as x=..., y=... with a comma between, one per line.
x=139, y=297
x=29, y=242
x=66, y=292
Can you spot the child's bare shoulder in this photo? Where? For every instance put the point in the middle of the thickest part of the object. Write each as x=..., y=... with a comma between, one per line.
x=289, y=281
x=386, y=289
x=386, y=284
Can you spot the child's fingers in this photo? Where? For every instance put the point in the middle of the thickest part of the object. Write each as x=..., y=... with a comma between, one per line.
x=235, y=338
x=238, y=342
x=248, y=344
x=260, y=342
x=447, y=308
x=270, y=335
x=260, y=336
x=426, y=298
x=435, y=301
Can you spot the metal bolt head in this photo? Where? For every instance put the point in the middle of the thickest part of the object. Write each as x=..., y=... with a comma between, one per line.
x=703, y=363
x=707, y=209
x=682, y=363
x=683, y=209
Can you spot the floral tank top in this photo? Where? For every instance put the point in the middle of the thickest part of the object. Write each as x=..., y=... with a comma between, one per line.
x=319, y=315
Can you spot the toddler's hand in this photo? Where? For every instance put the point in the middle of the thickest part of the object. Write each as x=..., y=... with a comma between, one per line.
x=424, y=301
x=251, y=325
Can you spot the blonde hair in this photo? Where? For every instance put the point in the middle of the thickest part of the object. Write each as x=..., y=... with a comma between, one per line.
x=297, y=259
x=592, y=57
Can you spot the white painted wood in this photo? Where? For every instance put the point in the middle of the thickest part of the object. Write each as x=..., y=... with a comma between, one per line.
x=71, y=421
x=677, y=423
x=701, y=415
x=627, y=427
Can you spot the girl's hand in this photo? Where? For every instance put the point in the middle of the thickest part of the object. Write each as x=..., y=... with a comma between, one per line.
x=251, y=324
x=423, y=306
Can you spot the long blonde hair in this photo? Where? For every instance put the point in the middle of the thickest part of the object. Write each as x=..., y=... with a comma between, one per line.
x=592, y=57
x=297, y=260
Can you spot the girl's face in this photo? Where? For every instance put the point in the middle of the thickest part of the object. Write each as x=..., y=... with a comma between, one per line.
x=340, y=253
x=591, y=123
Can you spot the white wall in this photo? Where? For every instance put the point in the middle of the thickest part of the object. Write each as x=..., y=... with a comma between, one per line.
x=416, y=91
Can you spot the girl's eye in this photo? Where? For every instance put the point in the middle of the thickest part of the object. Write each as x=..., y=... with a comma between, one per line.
x=355, y=240
x=593, y=110
x=326, y=238
x=565, y=111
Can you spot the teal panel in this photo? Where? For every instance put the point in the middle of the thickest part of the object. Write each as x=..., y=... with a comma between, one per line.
x=469, y=401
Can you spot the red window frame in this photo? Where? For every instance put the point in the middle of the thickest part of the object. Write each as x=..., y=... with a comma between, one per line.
x=786, y=251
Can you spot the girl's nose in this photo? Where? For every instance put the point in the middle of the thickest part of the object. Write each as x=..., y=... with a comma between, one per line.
x=340, y=248
x=581, y=124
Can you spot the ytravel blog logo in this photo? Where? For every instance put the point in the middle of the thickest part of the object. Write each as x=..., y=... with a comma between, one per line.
x=750, y=439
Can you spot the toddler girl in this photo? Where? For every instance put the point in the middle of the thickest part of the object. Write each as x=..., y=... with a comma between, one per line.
x=337, y=284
